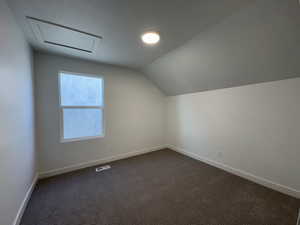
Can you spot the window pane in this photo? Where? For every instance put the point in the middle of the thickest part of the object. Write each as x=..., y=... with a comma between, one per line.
x=82, y=122
x=80, y=90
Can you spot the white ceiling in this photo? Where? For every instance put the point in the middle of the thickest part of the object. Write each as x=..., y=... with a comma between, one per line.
x=205, y=44
x=121, y=22
x=259, y=43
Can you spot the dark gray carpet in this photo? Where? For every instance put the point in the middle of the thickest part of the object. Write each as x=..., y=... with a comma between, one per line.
x=159, y=188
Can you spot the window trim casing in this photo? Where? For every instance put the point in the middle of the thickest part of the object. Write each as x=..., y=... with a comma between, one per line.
x=60, y=108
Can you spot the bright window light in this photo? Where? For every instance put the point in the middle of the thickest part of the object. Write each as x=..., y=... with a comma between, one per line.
x=81, y=106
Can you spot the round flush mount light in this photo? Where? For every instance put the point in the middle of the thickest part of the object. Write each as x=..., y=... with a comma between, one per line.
x=150, y=38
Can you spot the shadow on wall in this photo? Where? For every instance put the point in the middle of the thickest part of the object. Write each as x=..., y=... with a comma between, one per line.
x=257, y=43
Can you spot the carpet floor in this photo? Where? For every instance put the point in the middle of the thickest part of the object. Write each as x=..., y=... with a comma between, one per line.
x=158, y=188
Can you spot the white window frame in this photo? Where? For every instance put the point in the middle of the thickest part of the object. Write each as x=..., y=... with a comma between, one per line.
x=61, y=117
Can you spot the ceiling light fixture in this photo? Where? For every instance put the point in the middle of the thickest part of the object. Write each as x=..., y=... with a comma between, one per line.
x=150, y=38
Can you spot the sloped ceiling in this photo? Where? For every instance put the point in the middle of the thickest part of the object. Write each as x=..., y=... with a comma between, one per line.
x=259, y=43
x=205, y=44
x=121, y=23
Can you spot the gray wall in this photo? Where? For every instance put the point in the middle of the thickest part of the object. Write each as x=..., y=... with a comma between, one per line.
x=134, y=113
x=257, y=44
x=253, y=129
x=17, y=154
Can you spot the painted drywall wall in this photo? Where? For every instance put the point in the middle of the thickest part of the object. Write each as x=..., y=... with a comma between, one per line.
x=17, y=154
x=254, y=128
x=134, y=113
x=259, y=43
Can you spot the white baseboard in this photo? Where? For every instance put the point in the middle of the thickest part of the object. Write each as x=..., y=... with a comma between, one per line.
x=66, y=169
x=262, y=181
x=25, y=201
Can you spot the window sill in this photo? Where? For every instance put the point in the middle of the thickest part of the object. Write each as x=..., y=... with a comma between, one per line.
x=80, y=139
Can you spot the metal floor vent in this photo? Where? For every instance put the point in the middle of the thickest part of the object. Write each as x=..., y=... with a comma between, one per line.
x=102, y=168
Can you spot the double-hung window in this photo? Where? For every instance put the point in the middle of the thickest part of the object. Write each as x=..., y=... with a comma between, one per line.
x=81, y=106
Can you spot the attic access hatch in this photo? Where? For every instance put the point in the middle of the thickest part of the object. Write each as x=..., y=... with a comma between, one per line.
x=63, y=36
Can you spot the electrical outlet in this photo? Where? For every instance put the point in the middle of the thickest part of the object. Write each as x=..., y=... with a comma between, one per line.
x=220, y=154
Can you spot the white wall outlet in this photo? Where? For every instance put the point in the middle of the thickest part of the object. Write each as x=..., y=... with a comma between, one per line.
x=220, y=154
